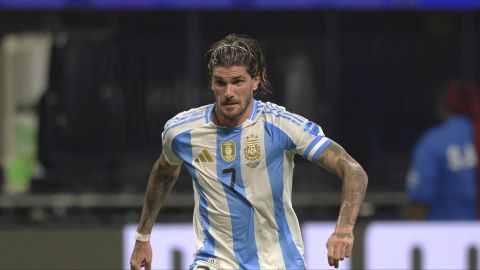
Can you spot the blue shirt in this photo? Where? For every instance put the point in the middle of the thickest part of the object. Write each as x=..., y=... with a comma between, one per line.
x=442, y=174
x=242, y=177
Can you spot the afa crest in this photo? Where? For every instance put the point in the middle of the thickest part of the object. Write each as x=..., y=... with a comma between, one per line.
x=252, y=148
x=252, y=151
x=228, y=151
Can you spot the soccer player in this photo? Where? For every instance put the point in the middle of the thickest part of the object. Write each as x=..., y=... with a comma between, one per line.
x=239, y=152
x=443, y=176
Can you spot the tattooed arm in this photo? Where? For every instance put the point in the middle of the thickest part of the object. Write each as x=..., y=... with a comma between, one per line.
x=162, y=178
x=336, y=160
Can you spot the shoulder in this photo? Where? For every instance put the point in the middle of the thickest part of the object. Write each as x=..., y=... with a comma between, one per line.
x=435, y=138
x=429, y=137
x=188, y=120
x=454, y=128
x=280, y=117
x=459, y=123
x=274, y=113
x=188, y=116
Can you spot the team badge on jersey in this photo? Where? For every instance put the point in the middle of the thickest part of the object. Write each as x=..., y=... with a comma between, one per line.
x=252, y=151
x=228, y=151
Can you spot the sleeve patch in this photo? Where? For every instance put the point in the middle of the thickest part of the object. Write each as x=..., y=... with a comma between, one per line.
x=311, y=128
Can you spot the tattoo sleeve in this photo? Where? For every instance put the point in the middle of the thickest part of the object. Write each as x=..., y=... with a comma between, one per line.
x=336, y=160
x=162, y=178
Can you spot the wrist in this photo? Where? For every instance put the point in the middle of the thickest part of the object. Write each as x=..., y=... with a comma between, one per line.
x=344, y=229
x=142, y=237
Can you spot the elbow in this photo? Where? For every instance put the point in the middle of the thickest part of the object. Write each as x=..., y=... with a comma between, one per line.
x=365, y=178
x=364, y=175
x=355, y=185
x=357, y=174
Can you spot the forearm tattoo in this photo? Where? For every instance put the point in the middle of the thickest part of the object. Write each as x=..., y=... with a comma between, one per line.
x=336, y=160
x=161, y=181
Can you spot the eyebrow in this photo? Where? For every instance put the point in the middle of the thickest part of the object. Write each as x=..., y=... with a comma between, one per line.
x=234, y=78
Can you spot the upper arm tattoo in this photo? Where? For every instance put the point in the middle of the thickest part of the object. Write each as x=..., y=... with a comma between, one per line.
x=336, y=160
x=162, y=178
x=332, y=158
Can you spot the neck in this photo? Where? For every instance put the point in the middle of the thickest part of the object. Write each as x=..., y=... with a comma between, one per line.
x=220, y=119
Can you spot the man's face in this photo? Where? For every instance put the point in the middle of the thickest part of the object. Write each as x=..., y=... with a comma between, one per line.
x=233, y=88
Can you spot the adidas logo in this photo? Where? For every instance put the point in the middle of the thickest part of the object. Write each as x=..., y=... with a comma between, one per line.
x=204, y=156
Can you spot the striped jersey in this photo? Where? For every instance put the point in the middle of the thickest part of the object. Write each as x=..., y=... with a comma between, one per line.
x=242, y=180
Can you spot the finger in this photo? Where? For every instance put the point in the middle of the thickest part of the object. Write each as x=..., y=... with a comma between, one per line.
x=335, y=263
x=348, y=252
x=336, y=252
x=134, y=267
x=342, y=253
x=148, y=266
x=330, y=254
x=330, y=261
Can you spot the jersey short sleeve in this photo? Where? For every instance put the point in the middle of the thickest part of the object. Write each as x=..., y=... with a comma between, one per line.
x=168, y=152
x=310, y=140
x=176, y=134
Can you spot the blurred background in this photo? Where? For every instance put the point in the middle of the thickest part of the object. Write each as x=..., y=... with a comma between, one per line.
x=86, y=87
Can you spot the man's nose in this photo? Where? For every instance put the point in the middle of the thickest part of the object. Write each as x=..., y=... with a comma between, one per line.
x=229, y=91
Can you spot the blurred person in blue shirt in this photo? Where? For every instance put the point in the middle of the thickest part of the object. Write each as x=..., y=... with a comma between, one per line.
x=442, y=179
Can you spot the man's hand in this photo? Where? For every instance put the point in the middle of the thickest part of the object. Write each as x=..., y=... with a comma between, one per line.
x=141, y=256
x=339, y=246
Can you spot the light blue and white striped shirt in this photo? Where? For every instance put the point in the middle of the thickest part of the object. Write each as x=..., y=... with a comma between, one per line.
x=242, y=178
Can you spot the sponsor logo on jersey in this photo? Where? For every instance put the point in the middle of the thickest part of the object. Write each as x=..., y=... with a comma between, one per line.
x=204, y=156
x=228, y=151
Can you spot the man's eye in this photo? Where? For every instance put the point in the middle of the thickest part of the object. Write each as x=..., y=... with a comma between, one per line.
x=237, y=82
x=220, y=83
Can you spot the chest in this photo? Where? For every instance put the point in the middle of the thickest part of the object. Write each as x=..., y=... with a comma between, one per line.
x=237, y=147
x=245, y=160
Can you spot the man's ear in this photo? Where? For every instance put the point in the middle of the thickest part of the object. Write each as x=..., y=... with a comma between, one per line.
x=256, y=82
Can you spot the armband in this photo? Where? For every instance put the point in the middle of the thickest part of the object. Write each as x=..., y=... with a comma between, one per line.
x=142, y=237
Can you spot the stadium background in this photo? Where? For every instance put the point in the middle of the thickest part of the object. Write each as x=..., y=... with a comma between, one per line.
x=86, y=86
